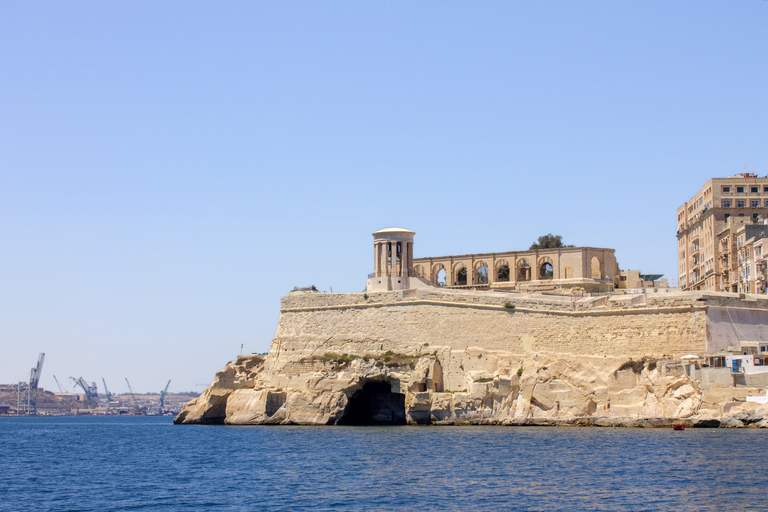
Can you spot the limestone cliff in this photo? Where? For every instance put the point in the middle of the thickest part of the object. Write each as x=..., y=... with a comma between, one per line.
x=446, y=357
x=548, y=390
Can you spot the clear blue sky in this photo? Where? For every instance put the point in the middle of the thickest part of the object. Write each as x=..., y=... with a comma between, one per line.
x=169, y=170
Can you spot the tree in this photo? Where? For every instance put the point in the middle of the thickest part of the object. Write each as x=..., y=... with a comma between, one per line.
x=549, y=241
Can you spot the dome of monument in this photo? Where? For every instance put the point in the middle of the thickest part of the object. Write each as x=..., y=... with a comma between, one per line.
x=393, y=230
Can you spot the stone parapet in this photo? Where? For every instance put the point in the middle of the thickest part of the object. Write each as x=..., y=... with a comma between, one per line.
x=520, y=301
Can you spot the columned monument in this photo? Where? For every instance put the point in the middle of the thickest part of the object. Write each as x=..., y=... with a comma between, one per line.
x=592, y=269
x=392, y=260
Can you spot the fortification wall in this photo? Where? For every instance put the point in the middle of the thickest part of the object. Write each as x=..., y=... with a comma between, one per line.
x=463, y=357
x=407, y=321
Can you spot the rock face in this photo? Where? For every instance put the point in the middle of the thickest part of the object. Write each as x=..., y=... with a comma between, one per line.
x=399, y=389
x=395, y=359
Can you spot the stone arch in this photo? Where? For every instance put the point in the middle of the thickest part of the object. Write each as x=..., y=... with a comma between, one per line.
x=439, y=275
x=374, y=404
x=596, y=274
x=502, y=271
x=546, y=268
x=481, y=273
x=460, y=274
x=523, y=270
x=418, y=271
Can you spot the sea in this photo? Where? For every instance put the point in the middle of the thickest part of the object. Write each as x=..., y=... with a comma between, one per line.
x=147, y=463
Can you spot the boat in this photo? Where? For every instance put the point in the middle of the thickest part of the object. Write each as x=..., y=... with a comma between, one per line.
x=678, y=427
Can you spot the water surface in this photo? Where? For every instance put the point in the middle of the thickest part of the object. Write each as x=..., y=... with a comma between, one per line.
x=147, y=463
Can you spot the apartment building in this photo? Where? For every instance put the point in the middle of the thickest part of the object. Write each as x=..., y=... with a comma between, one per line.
x=706, y=230
x=749, y=246
x=761, y=266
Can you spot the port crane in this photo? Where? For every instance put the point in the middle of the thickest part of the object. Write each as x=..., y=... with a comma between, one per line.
x=162, y=396
x=61, y=389
x=34, y=380
x=91, y=391
x=106, y=390
x=133, y=397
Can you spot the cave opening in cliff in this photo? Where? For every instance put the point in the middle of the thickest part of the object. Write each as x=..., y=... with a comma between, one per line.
x=375, y=404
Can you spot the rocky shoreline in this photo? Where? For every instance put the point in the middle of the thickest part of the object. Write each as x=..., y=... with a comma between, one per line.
x=500, y=389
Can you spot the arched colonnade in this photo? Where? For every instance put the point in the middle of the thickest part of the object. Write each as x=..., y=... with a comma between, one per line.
x=509, y=269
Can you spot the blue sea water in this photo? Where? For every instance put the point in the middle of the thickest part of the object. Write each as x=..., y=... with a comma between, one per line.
x=147, y=463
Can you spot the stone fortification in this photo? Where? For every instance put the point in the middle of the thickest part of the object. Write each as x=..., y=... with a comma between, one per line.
x=670, y=325
x=452, y=356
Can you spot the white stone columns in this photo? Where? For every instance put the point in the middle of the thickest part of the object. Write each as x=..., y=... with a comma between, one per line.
x=409, y=266
x=388, y=275
x=403, y=259
x=398, y=261
x=383, y=259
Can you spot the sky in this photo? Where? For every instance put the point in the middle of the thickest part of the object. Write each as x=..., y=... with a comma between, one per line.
x=169, y=170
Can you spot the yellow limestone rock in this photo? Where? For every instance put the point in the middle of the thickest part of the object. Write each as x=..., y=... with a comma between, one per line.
x=551, y=389
x=453, y=356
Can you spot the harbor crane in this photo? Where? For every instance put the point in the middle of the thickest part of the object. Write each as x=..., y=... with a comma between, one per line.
x=61, y=389
x=34, y=380
x=133, y=397
x=162, y=396
x=106, y=391
x=91, y=391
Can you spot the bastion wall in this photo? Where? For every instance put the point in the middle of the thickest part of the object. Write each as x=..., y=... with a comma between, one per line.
x=441, y=356
x=406, y=321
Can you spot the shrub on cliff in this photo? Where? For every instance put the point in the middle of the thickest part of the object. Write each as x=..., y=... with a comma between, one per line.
x=388, y=359
x=635, y=366
x=393, y=360
x=338, y=360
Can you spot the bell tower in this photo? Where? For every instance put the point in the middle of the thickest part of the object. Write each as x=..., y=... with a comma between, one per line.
x=392, y=260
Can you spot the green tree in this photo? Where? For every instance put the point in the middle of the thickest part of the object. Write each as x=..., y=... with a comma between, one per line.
x=549, y=241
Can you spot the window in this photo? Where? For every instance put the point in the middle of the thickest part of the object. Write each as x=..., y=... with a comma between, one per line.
x=755, y=204
x=739, y=204
x=728, y=189
x=766, y=203
x=727, y=203
x=765, y=190
x=754, y=190
x=739, y=190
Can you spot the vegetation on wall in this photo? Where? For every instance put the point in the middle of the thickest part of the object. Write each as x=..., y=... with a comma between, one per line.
x=549, y=241
x=389, y=359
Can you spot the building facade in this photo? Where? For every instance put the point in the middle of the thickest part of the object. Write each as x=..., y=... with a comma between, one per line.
x=634, y=279
x=590, y=268
x=394, y=267
x=706, y=230
x=749, y=258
